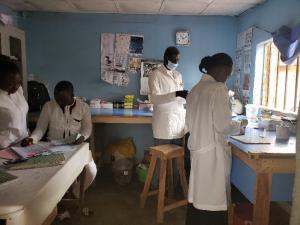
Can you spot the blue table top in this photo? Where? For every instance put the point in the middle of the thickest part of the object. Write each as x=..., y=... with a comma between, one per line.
x=275, y=148
x=120, y=112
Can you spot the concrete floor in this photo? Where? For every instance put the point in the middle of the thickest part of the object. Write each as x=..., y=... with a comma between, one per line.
x=113, y=204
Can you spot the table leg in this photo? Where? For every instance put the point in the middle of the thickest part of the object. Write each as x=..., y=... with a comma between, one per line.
x=263, y=191
x=92, y=142
x=81, y=189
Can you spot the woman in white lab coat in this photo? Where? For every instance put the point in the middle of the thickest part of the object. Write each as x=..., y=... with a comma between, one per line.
x=13, y=106
x=168, y=97
x=208, y=120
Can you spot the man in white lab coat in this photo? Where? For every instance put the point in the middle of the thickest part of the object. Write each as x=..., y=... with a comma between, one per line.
x=63, y=117
x=208, y=119
x=168, y=97
x=13, y=106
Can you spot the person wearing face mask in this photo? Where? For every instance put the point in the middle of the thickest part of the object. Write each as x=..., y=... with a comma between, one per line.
x=13, y=106
x=168, y=98
x=63, y=117
x=208, y=120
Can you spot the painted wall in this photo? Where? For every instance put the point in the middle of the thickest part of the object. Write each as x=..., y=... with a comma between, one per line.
x=67, y=46
x=268, y=16
x=8, y=11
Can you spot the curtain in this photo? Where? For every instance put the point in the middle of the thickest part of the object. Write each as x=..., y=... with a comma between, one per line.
x=287, y=40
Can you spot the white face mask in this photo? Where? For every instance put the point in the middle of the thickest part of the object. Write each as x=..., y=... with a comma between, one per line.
x=172, y=66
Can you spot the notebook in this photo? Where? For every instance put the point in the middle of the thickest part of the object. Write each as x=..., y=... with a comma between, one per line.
x=6, y=177
x=39, y=162
x=252, y=140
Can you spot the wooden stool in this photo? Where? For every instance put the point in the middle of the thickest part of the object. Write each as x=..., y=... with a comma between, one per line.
x=165, y=153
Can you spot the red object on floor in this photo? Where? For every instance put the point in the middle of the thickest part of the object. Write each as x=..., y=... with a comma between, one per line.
x=243, y=214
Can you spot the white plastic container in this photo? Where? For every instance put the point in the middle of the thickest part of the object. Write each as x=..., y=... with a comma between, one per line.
x=282, y=133
x=251, y=112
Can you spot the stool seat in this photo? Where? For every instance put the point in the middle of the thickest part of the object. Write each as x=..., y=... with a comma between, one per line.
x=166, y=154
x=167, y=151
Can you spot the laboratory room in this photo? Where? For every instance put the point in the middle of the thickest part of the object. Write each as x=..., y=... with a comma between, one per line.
x=135, y=112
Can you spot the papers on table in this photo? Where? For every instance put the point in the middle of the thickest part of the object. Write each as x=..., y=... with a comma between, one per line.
x=32, y=150
x=252, y=140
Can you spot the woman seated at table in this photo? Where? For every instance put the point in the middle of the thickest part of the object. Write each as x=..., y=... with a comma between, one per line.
x=64, y=117
x=13, y=106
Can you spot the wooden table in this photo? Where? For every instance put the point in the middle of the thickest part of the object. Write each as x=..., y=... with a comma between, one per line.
x=265, y=160
x=110, y=116
x=32, y=198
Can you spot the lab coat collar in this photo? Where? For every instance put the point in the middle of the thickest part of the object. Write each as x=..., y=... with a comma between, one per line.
x=2, y=92
x=166, y=71
x=207, y=77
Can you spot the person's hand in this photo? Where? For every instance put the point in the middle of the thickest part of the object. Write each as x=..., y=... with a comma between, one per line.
x=26, y=142
x=182, y=93
x=78, y=141
x=242, y=130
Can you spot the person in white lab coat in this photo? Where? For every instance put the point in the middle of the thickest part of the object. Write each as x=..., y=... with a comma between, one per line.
x=13, y=106
x=63, y=117
x=208, y=120
x=295, y=213
x=168, y=98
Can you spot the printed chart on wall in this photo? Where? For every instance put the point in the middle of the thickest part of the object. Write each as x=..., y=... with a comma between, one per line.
x=119, y=57
x=242, y=64
x=147, y=67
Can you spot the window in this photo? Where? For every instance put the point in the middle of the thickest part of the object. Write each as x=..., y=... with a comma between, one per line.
x=276, y=85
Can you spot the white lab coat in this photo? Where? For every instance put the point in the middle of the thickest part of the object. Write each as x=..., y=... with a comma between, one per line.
x=208, y=119
x=295, y=215
x=13, y=112
x=168, y=111
x=76, y=119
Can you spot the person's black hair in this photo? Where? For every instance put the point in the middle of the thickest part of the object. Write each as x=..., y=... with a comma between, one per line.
x=64, y=86
x=8, y=68
x=169, y=53
x=219, y=59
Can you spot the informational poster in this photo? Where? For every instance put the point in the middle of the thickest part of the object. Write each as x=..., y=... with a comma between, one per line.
x=242, y=64
x=147, y=67
x=134, y=65
x=116, y=50
x=107, y=57
x=136, y=45
x=248, y=38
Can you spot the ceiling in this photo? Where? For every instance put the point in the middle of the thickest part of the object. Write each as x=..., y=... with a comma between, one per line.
x=156, y=7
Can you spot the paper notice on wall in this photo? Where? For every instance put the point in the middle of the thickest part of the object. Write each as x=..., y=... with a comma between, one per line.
x=247, y=61
x=248, y=38
x=237, y=73
x=244, y=39
x=107, y=57
x=240, y=41
x=147, y=67
x=121, y=51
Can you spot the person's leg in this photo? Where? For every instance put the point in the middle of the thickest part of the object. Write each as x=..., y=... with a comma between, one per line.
x=90, y=174
x=192, y=215
x=195, y=216
x=177, y=184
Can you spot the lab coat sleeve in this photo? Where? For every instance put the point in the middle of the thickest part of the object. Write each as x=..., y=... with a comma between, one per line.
x=42, y=124
x=86, y=123
x=222, y=115
x=155, y=91
x=5, y=134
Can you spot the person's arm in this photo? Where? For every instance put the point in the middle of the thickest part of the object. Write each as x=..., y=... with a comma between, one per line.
x=86, y=123
x=222, y=117
x=154, y=87
x=5, y=133
x=42, y=124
